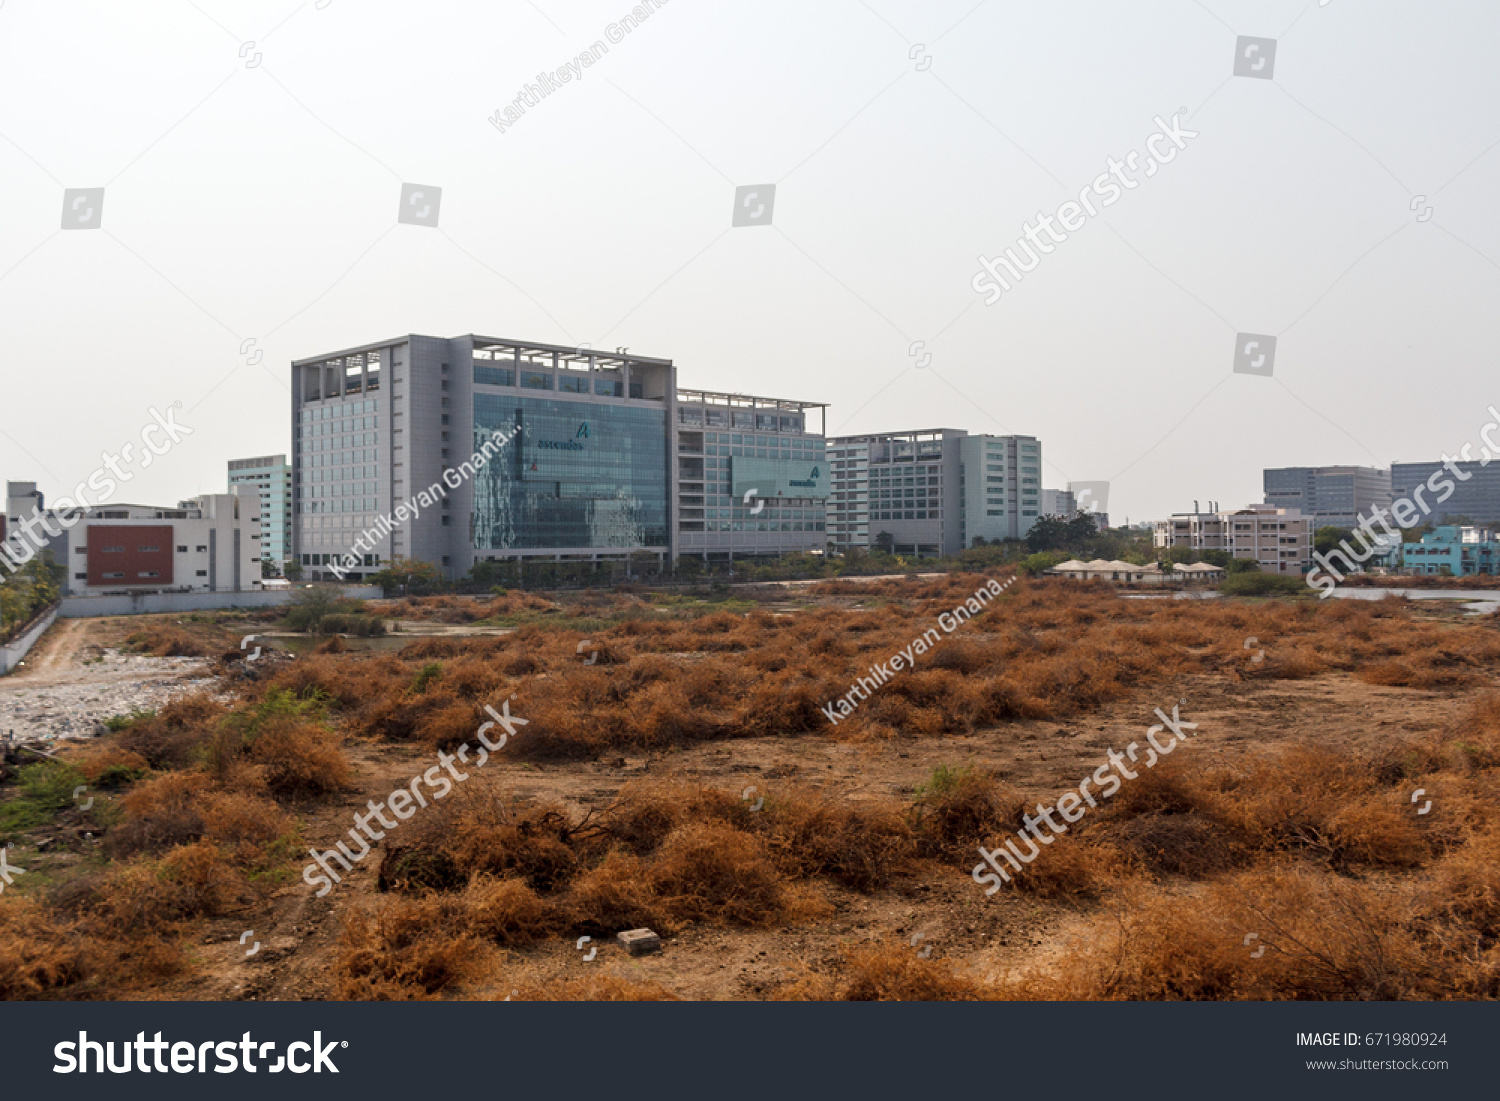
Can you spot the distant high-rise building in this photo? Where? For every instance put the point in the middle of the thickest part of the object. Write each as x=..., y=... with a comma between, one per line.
x=1058, y=502
x=932, y=491
x=271, y=475
x=1475, y=493
x=1332, y=496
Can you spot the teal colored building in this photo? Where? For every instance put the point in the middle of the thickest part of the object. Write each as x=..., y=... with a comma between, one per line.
x=1453, y=550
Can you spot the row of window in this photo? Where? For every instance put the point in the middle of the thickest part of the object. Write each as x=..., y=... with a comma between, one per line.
x=762, y=525
x=346, y=504
x=139, y=550
x=341, y=411
x=332, y=559
x=739, y=418
x=116, y=575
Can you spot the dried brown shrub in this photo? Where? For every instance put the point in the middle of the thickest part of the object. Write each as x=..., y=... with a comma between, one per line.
x=299, y=759
x=408, y=948
x=40, y=953
x=885, y=972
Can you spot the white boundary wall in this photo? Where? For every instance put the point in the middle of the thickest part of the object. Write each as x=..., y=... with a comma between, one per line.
x=86, y=607
x=11, y=655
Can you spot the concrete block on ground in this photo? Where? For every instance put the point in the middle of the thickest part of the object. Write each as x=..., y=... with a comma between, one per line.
x=639, y=942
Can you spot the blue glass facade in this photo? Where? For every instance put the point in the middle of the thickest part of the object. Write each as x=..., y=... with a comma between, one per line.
x=578, y=475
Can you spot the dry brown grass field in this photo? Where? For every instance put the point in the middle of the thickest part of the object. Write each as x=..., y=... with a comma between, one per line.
x=676, y=771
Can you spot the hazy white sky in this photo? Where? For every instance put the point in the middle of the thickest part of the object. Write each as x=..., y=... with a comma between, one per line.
x=251, y=193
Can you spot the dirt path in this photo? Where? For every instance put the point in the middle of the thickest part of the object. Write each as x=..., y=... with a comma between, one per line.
x=54, y=652
x=71, y=682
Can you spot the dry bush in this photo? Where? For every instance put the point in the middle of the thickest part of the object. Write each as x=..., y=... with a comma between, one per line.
x=1465, y=887
x=1326, y=938
x=245, y=822
x=161, y=813
x=956, y=808
x=597, y=986
x=712, y=872
x=299, y=759
x=1377, y=831
x=1414, y=674
x=885, y=973
x=1288, y=801
x=1187, y=845
x=184, y=807
x=476, y=832
x=507, y=912
x=164, y=641
x=171, y=738
x=153, y=895
x=108, y=764
x=409, y=948
x=860, y=846
x=39, y=952
x=615, y=895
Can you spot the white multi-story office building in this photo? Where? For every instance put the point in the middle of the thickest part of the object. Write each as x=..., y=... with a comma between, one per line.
x=271, y=478
x=931, y=491
x=1279, y=539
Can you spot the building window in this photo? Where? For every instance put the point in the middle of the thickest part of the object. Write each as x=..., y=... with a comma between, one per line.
x=204, y=573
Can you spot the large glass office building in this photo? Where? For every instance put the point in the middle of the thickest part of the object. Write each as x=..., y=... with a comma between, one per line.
x=507, y=450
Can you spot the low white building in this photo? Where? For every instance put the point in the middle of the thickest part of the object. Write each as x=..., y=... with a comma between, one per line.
x=1114, y=570
x=206, y=544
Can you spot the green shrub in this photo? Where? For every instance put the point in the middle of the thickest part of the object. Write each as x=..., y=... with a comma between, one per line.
x=430, y=672
x=46, y=788
x=1262, y=584
x=360, y=626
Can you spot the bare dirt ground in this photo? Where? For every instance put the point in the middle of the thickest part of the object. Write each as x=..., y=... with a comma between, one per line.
x=75, y=678
x=944, y=911
x=941, y=911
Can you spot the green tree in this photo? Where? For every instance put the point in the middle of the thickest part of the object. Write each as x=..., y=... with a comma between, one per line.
x=1076, y=533
x=313, y=604
x=885, y=543
x=36, y=586
x=485, y=574
x=1034, y=564
x=408, y=577
x=1329, y=537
